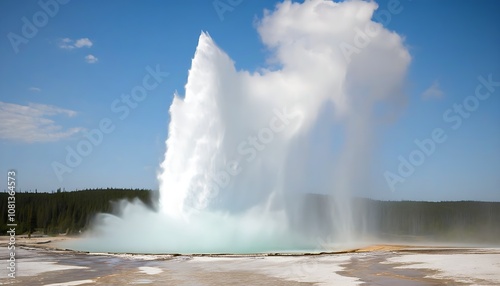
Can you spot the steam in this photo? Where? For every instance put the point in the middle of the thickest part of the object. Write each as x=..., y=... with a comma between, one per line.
x=245, y=148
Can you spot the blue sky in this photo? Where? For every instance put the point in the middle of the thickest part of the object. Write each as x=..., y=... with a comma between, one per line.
x=70, y=71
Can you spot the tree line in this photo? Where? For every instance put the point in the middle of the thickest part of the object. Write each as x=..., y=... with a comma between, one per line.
x=460, y=221
x=65, y=212
x=72, y=212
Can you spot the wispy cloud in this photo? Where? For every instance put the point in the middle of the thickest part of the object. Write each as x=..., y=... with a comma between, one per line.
x=70, y=44
x=434, y=91
x=66, y=43
x=30, y=123
x=91, y=59
x=34, y=89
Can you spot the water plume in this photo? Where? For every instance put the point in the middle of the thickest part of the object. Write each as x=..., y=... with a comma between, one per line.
x=246, y=149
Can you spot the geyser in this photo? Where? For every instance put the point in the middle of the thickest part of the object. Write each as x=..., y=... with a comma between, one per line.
x=246, y=148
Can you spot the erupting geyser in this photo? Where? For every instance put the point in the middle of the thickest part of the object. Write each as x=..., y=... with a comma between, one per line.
x=245, y=148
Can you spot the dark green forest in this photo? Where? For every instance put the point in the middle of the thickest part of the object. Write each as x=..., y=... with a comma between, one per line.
x=65, y=212
x=404, y=221
x=461, y=221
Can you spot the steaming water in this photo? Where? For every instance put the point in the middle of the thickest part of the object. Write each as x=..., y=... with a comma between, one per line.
x=244, y=148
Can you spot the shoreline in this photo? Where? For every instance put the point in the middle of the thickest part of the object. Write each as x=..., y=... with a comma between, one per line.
x=52, y=243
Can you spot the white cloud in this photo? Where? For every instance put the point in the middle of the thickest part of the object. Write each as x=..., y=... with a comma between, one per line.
x=83, y=42
x=91, y=59
x=34, y=89
x=434, y=91
x=30, y=123
x=70, y=44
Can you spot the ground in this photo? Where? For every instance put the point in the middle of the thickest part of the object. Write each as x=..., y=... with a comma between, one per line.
x=39, y=262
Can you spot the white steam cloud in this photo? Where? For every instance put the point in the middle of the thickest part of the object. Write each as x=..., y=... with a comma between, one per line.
x=244, y=147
